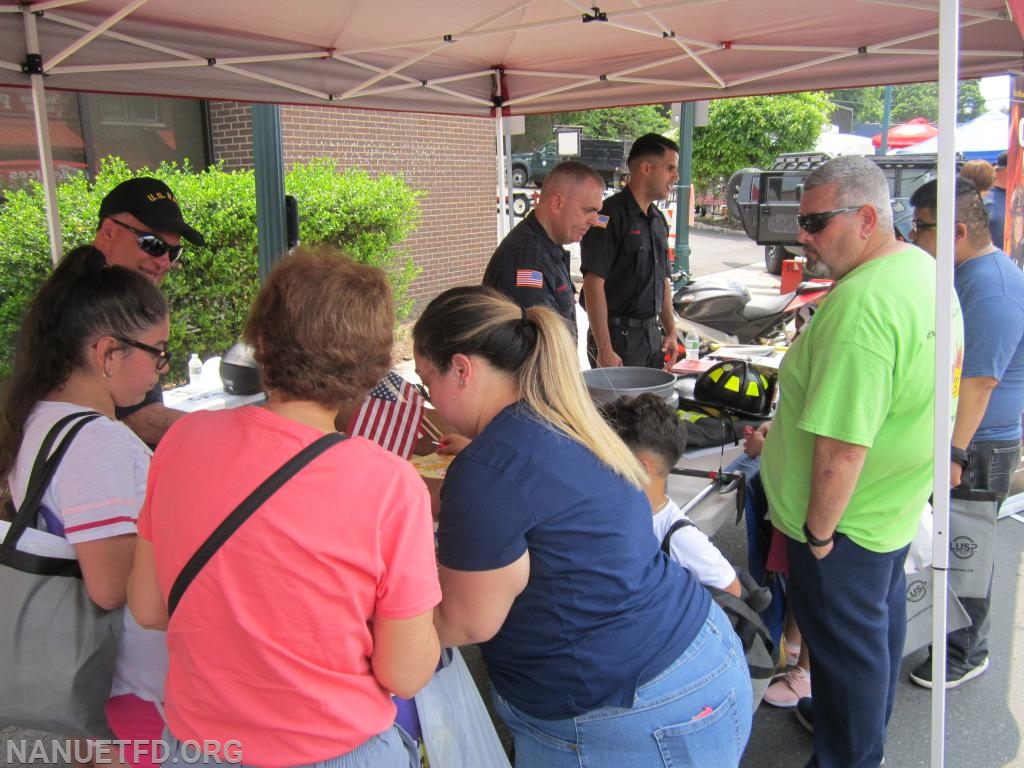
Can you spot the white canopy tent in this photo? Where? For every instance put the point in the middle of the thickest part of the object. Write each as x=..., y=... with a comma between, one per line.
x=500, y=57
x=983, y=138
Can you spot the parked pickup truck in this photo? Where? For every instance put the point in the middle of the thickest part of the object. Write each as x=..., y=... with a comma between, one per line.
x=767, y=202
x=606, y=156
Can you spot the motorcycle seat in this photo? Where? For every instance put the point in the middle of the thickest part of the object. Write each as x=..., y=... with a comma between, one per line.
x=765, y=307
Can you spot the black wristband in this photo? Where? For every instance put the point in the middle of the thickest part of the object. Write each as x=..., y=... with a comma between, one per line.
x=958, y=455
x=815, y=542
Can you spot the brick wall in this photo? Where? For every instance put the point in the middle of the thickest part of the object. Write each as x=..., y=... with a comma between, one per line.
x=449, y=158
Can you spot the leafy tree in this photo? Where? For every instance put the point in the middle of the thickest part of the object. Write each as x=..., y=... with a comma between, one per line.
x=751, y=131
x=908, y=102
x=619, y=123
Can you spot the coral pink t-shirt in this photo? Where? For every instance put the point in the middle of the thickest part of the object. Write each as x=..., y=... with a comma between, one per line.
x=270, y=646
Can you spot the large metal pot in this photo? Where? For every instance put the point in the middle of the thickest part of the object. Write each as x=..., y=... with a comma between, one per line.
x=608, y=384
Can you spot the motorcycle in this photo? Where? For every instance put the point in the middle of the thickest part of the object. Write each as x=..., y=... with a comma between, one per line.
x=725, y=305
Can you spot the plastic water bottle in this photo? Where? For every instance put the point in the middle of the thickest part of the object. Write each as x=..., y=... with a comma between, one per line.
x=692, y=345
x=195, y=370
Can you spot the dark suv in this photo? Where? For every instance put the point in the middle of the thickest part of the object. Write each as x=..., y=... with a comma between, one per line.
x=767, y=202
x=606, y=156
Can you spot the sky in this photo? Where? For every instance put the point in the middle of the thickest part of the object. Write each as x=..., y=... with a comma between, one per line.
x=996, y=91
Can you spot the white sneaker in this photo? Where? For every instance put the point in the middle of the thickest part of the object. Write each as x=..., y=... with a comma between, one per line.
x=789, y=688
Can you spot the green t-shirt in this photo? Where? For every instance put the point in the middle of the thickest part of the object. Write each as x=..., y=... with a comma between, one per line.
x=863, y=372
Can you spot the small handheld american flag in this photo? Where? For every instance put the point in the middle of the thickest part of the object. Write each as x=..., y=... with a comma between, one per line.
x=391, y=415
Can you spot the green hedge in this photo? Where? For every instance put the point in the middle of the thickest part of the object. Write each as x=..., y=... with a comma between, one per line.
x=212, y=290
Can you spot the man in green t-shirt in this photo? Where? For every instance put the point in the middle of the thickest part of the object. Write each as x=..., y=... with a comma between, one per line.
x=847, y=465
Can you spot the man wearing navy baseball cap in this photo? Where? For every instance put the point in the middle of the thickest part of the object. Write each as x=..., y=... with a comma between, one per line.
x=141, y=228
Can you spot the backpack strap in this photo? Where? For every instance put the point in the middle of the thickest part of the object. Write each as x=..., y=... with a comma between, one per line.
x=43, y=469
x=666, y=543
x=741, y=612
x=748, y=625
x=243, y=512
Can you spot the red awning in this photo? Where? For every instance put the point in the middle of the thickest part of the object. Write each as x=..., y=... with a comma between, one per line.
x=22, y=133
x=907, y=134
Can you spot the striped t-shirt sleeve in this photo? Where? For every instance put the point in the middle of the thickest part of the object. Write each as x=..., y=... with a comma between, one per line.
x=100, y=485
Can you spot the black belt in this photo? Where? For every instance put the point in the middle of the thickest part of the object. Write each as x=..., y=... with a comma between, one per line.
x=632, y=322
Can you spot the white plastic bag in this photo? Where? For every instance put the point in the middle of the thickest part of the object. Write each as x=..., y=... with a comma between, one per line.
x=457, y=730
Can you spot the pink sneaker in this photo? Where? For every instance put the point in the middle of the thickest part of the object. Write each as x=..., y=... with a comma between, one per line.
x=788, y=689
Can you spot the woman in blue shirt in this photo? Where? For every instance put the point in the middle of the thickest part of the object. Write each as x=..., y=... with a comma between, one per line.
x=600, y=649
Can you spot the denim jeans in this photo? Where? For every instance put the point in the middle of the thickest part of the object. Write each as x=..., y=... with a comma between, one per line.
x=393, y=748
x=696, y=712
x=991, y=465
x=851, y=608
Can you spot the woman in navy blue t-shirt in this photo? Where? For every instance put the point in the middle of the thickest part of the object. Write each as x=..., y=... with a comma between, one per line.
x=601, y=650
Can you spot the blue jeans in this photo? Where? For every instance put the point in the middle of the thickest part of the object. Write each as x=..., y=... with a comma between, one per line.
x=991, y=464
x=851, y=608
x=393, y=748
x=696, y=712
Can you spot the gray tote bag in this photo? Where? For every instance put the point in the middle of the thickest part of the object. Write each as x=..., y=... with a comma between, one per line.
x=920, y=601
x=58, y=647
x=972, y=541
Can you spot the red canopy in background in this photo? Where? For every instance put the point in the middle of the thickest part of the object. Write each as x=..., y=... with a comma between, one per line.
x=907, y=134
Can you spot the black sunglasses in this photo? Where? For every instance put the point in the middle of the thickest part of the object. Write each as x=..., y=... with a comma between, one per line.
x=813, y=223
x=152, y=244
x=163, y=357
x=921, y=226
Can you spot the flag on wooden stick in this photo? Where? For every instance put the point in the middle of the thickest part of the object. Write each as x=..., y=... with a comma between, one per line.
x=391, y=415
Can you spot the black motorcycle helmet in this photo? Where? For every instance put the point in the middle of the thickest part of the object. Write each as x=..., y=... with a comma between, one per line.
x=239, y=372
x=734, y=386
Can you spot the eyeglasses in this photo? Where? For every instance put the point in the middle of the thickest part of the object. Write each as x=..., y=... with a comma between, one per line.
x=813, y=223
x=921, y=226
x=163, y=357
x=152, y=244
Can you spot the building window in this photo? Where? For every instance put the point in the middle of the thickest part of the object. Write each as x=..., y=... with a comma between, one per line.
x=144, y=131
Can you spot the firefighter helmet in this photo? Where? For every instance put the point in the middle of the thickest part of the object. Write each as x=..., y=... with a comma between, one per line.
x=735, y=386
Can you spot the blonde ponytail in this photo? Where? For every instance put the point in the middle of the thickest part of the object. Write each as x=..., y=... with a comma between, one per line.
x=535, y=347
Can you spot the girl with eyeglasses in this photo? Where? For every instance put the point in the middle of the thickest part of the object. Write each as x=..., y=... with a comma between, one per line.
x=92, y=339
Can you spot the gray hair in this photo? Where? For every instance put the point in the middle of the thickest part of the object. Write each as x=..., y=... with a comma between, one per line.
x=570, y=174
x=860, y=182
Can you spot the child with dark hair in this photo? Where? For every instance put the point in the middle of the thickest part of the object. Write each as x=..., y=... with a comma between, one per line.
x=653, y=431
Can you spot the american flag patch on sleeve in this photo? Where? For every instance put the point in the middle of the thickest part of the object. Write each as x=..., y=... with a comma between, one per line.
x=529, y=278
x=602, y=221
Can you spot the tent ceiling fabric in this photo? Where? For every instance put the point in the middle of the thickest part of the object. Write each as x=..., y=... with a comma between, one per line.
x=422, y=55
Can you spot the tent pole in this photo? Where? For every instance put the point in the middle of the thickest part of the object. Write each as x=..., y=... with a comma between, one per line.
x=949, y=44
x=34, y=68
x=504, y=193
x=271, y=230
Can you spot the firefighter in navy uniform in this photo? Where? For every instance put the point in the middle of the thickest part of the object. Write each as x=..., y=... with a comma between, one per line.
x=530, y=266
x=626, y=285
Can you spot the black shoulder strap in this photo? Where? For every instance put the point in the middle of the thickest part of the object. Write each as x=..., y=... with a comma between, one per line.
x=748, y=626
x=242, y=513
x=666, y=543
x=24, y=517
x=42, y=472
